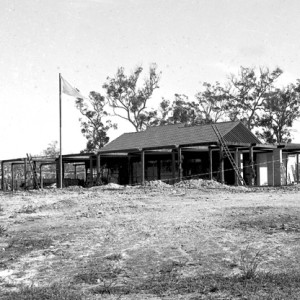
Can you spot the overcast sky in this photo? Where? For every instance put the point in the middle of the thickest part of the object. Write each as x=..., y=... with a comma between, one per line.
x=191, y=41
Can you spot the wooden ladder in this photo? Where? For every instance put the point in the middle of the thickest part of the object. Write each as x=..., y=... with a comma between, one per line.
x=33, y=170
x=227, y=153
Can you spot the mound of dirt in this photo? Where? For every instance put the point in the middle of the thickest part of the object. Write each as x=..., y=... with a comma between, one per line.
x=209, y=184
x=157, y=184
x=113, y=186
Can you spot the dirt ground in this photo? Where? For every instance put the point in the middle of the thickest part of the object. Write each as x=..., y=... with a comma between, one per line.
x=194, y=241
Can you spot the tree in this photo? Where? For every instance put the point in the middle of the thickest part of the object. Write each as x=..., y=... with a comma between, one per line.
x=213, y=103
x=247, y=93
x=280, y=110
x=52, y=150
x=181, y=110
x=128, y=100
x=93, y=126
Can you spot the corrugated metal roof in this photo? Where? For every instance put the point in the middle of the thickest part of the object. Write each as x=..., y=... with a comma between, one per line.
x=178, y=134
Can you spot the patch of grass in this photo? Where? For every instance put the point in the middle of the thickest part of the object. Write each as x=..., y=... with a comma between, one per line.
x=164, y=278
x=262, y=287
x=29, y=244
x=101, y=272
x=2, y=230
x=20, y=246
x=250, y=261
x=263, y=218
x=114, y=256
x=51, y=292
x=27, y=209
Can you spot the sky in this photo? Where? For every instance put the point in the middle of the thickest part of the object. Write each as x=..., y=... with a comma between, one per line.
x=191, y=41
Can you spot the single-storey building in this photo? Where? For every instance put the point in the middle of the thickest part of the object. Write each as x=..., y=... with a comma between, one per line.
x=176, y=152
x=226, y=151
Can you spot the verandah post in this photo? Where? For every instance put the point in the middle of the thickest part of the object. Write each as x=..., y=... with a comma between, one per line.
x=222, y=165
x=297, y=168
x=129, y=170
x=252, y=167
x=12, y=177
x=2, y=176
x=91, y=170
x=25, y=173
x=236, y=158
x=180, y=158
x=277, y=166
x=41, y=176
x=143, y=166
x=210, y=163
x=159, y=169
x=98, y=166
x=173, y=168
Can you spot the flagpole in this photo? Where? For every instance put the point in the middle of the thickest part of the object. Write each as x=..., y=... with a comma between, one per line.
x=60, y=136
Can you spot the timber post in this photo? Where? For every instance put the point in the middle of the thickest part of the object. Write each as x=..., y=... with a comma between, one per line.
x=41, y=176
x=210, y=163
x=278, y=170
x=173, y=168
x=91, y=170
x=129, y=170
x=236, y=158
x=2, y=176
x=252, y=167
x=25, y=173
x=143, y=166
x=222, y=177
x=98, y=166
x=297, y=167
x=180, y=159
x=159, y=169
x=12, y=177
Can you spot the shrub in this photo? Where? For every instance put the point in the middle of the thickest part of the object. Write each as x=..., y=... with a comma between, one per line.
x=249, y=262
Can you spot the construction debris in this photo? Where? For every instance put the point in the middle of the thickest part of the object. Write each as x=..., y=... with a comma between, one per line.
x=157, y=183
x=209, y=184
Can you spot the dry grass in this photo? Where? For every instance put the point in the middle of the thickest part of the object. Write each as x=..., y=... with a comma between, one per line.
x=150, y=243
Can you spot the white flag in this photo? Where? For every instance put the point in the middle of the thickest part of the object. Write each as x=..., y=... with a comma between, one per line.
x=69, y=90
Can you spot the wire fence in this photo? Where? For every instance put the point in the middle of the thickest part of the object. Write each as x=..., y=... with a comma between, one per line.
x=218, y=172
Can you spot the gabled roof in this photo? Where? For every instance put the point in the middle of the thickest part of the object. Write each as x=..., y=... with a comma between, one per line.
x=180, y=135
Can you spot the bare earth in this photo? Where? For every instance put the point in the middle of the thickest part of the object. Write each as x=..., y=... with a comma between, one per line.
x=158, y=242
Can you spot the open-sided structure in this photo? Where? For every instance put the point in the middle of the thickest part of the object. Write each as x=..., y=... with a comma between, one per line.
x=22, y=170
x=175, y=152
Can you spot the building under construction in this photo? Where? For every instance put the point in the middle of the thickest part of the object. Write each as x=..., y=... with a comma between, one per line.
x=227, y=152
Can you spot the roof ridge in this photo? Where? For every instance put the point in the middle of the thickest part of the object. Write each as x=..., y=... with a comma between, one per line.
x=223, y=122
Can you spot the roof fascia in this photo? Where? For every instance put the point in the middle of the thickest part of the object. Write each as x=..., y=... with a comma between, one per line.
x=78, y=154
x=173, y=147
x=12, y=160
